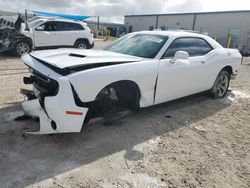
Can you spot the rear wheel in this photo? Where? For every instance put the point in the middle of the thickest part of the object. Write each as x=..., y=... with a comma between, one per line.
x=221, y=84
x=81, y=44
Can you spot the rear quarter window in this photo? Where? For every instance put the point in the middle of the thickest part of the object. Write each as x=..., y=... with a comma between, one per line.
x=67, y=26
x=79, y=27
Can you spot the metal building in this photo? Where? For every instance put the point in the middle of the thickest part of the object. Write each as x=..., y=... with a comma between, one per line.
x=114, y=29
x=230, y=28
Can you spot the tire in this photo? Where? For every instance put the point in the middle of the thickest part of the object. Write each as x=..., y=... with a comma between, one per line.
x=22, y=47
x=221, y=85
x=82, y=44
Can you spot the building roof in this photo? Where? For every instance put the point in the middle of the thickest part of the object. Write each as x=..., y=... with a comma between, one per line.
x=190, y=13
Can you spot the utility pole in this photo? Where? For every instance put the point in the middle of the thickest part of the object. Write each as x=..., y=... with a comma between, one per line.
x=98, y=26
x=26, y=15
x=98, y=23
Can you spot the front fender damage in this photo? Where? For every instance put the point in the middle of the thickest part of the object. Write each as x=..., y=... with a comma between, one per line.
x=33, y=108
x=57, y=114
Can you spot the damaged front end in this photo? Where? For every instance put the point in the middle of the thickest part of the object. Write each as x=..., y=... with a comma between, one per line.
x=10, y=33
x=9, y=37
x=52, y=100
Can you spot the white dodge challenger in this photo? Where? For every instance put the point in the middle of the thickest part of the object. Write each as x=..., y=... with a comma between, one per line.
x=71, y=86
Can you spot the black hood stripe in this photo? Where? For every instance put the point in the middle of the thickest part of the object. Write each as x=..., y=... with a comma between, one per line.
x=54, y=68
x=78, y=68
x=95, y=65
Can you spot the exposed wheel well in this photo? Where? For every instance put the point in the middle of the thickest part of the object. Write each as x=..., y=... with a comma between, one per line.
x=29, y=40
x=229, y=69
x=25, y=39
x=126, y=91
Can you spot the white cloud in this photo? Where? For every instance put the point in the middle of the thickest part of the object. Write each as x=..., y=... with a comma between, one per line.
x=113, y=10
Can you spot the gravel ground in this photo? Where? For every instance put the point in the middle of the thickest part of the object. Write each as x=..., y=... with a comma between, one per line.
x=192, y=142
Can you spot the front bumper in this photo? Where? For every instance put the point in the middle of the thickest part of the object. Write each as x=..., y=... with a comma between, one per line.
x=57, y=114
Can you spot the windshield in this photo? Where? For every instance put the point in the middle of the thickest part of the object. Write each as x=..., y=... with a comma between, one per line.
x=32, y=19
x=34, y=23
x=141, y=45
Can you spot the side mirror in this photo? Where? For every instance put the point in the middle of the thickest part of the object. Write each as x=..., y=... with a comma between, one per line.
x=40, y=28
x=179, y=55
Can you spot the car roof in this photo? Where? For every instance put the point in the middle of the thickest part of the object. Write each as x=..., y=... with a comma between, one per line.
x=182, y=33
x=173, y=33
x=44, y=18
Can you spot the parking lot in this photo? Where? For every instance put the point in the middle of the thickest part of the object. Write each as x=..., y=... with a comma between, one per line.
x=192, y=142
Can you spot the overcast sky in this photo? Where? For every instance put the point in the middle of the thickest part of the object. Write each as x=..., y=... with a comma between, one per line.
x=113, y=10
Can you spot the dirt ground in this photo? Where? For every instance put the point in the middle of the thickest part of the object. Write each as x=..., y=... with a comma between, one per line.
x=193, y=142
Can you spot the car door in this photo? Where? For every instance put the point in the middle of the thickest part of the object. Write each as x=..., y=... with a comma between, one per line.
x=183, y=77
x=46, y=34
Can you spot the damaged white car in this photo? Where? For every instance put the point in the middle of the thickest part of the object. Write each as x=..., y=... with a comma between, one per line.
x=141, y=69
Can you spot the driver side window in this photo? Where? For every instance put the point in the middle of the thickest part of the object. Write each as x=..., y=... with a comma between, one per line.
x=194, y=46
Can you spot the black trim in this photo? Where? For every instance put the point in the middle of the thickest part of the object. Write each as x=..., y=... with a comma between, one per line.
x=77, y=99
x=53, y=47
x=56, y=69
x=61, y=46
x=155, y=88
x=77, y=68
x=77, y=55
x=73, y=69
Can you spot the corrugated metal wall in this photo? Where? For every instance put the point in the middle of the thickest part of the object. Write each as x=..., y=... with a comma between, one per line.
x=231, y=29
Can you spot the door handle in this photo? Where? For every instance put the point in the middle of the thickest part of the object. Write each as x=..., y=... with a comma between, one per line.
x=203, y=62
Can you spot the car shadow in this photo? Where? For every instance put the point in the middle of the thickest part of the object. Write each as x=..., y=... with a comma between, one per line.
x=7, y=54
x=27, y=159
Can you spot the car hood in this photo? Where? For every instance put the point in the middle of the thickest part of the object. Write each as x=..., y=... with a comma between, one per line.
x=66, y=58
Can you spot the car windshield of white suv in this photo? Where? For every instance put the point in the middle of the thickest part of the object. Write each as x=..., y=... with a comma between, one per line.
x=32, y=19
x=34, y=23
x=140, y=45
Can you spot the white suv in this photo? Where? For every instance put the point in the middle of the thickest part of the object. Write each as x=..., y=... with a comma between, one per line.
x=55, y=33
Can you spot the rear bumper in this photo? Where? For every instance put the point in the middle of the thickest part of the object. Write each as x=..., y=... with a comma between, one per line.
x=57, y=114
